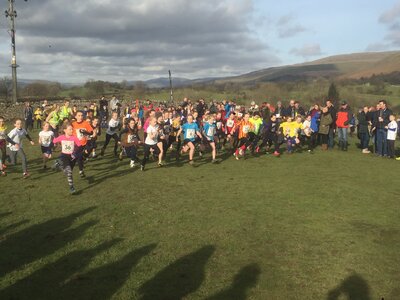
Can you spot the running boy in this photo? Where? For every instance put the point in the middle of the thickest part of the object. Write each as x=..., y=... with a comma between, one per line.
x=16, y=135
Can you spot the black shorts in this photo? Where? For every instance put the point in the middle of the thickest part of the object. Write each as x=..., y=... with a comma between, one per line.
x=187, y=141
x=46, y=150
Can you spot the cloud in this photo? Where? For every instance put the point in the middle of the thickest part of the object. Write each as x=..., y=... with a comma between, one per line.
x=287, y=29
x=390, y=15
x=391, y=18
x=142, y=39
x=307, y=50
x=376, y=47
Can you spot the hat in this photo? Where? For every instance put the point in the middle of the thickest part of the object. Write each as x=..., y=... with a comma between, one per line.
x=253, y=103
x=344, y=102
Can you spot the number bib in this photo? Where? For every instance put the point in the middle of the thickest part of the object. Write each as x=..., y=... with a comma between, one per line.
x=67, y=147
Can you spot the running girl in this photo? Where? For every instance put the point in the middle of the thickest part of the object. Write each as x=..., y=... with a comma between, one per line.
x=69, y=143
x=151, y=142
x=244, y=127
x=209, y=130
x=130, y=140
x=46, y=137
x=190, y=131
x=111, y=133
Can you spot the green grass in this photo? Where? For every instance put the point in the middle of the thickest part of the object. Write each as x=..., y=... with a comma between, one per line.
x=296, y=227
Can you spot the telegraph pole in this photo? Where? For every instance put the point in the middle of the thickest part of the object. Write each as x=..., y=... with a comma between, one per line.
x=171, y=98
x=12, y=14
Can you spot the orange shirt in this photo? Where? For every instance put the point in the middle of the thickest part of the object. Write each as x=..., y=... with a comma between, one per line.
x=244, y=128
x=77, y=128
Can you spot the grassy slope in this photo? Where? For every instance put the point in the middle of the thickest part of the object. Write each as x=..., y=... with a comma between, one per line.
x=298, y=227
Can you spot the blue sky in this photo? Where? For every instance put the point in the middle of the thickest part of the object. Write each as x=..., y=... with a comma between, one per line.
x=143, y=39
x=337, y=27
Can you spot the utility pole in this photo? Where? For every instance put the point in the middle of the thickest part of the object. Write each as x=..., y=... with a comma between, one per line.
x=171, y=97
x=12, y=14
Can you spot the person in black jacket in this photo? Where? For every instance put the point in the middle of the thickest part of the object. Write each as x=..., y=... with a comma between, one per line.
x=331, y=135
x=381, y=120
x=363, y=129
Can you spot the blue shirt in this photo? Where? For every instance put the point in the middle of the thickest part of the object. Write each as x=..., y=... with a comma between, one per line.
x=209, y=131
x=189, y=131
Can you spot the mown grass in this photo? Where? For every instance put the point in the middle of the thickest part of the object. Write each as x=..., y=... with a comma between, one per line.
x=320, y=226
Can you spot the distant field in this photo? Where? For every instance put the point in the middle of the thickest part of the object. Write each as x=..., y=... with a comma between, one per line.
x=322, y=226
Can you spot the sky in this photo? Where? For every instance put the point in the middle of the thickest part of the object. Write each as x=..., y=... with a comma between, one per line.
x=143, y=39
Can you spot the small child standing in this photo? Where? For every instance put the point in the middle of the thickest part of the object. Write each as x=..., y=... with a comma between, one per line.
x=69, y=144
x=391, y=135
x=16, y=135
x=3, y=146
x=46, y=137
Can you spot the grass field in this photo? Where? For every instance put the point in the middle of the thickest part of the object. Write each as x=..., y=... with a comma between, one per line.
x=322, y=226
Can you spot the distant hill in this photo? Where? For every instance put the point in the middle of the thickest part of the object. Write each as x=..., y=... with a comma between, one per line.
x=353, y=66
x=350, y=66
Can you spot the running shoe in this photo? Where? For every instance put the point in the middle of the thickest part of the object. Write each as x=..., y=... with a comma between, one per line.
x=72, y=190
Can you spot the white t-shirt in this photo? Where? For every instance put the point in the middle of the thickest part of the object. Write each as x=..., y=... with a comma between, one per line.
x=46, y=137
x=16, y=135
x=392, y=131
x=150, y=131
x=112, y=124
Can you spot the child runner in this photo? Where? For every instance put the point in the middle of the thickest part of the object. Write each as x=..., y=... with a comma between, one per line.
x=46, y=137
x=244, y=127
x=391, y=135
x=173, y=137
x=209, y=130
x=270, y=133
x=81, y=130
x=290, y=130
x=220, y=131
x=231, y=134
x=69, y=143
x=16, y=135
x=254, y=134
x=190, y=131
x=130, y=140
x=150, y=143
x=91, y=144
x=3, y=146
x=111, y=133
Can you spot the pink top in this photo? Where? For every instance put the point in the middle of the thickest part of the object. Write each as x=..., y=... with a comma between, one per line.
x=68, y=143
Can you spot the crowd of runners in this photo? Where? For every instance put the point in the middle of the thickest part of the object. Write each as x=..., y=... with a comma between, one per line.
x=163, y=131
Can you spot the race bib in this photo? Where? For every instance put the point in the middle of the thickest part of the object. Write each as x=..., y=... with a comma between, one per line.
x=79, y=135
x=130, y=138
x=67, y=147
x=46, y=141
x=191, y=133
x=246, y=129
x=219, y=125
x=230, y=123
x=210, y=131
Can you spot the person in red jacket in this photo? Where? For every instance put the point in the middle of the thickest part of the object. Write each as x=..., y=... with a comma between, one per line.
x=343, y=118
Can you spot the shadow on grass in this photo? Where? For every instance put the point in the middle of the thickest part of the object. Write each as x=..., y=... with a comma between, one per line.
x=104, y=281
x=246, y=279
x=353, y=287
x=12, y=226
x=48, y=282
x=179, y=279
x=5, y=214
x=39, y=241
